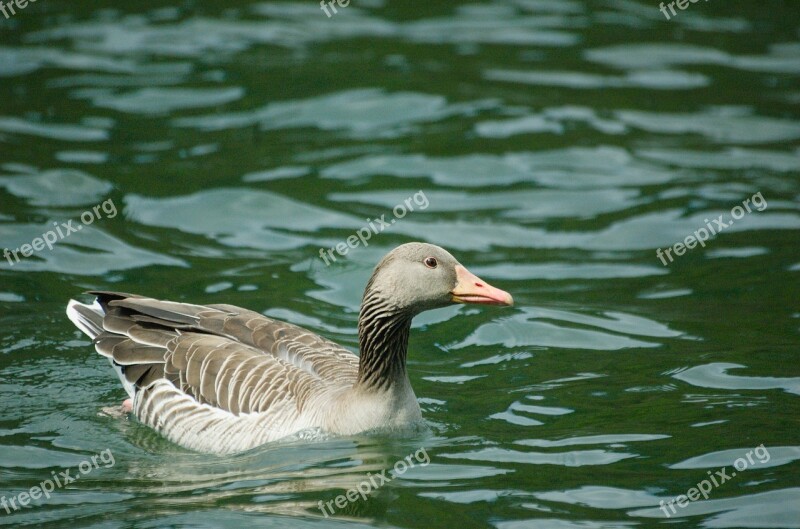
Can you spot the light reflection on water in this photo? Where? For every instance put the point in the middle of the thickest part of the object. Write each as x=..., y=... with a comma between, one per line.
x=559, y=143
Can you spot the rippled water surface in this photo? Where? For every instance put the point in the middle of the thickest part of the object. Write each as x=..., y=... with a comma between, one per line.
x=557, y=144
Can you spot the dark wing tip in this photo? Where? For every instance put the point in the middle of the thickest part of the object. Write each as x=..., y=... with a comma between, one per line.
x=111, y=294
x=104, y=297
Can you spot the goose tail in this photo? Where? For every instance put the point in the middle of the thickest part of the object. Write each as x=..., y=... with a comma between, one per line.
x=89, y=319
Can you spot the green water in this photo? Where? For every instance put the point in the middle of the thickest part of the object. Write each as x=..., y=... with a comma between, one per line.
x=558, y=144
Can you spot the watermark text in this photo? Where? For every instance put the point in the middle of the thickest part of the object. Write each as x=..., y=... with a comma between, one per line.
x=375, y=481
x=8, y=7
x=719, y=477
x=56, y=481
x=701, y=235
x=362, y=235
x=330, y=3
x=50, y=237
x=681, y=4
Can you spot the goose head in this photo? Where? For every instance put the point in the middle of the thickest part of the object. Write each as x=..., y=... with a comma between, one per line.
x=410, y=279
x=416, y=277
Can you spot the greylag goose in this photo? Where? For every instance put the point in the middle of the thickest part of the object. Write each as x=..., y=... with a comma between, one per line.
x=222, y=379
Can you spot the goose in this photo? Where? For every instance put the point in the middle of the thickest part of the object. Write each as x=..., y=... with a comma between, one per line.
x=222, y=379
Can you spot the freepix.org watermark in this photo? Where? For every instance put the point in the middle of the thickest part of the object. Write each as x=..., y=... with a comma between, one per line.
x=56, y=480
x=60, y=231
x=375, y=481
x=681, y=4
x=716, y=479
x=362, y=235
x=701, y=235
x=325, y=3
x=12, y=5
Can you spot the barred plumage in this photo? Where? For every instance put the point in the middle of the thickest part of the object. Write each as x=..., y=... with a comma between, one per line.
x=219, y=378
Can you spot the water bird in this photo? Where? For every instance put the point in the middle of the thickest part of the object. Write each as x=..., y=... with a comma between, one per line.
x=223, y=379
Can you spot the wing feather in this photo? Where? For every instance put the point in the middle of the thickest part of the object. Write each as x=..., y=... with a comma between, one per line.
x=228, y=357
x=215, y=357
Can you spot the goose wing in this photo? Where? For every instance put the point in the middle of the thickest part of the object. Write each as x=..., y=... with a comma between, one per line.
x=221, y=355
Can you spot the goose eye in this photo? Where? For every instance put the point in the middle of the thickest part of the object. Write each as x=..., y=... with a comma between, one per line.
x=430, y=262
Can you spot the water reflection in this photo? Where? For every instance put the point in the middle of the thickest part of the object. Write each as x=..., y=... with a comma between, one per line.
x=559, y=144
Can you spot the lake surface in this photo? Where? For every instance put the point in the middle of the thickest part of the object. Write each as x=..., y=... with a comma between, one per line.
x=210, y=152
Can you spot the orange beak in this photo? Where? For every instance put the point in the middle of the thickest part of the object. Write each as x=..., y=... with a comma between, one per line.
x=472, y=289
